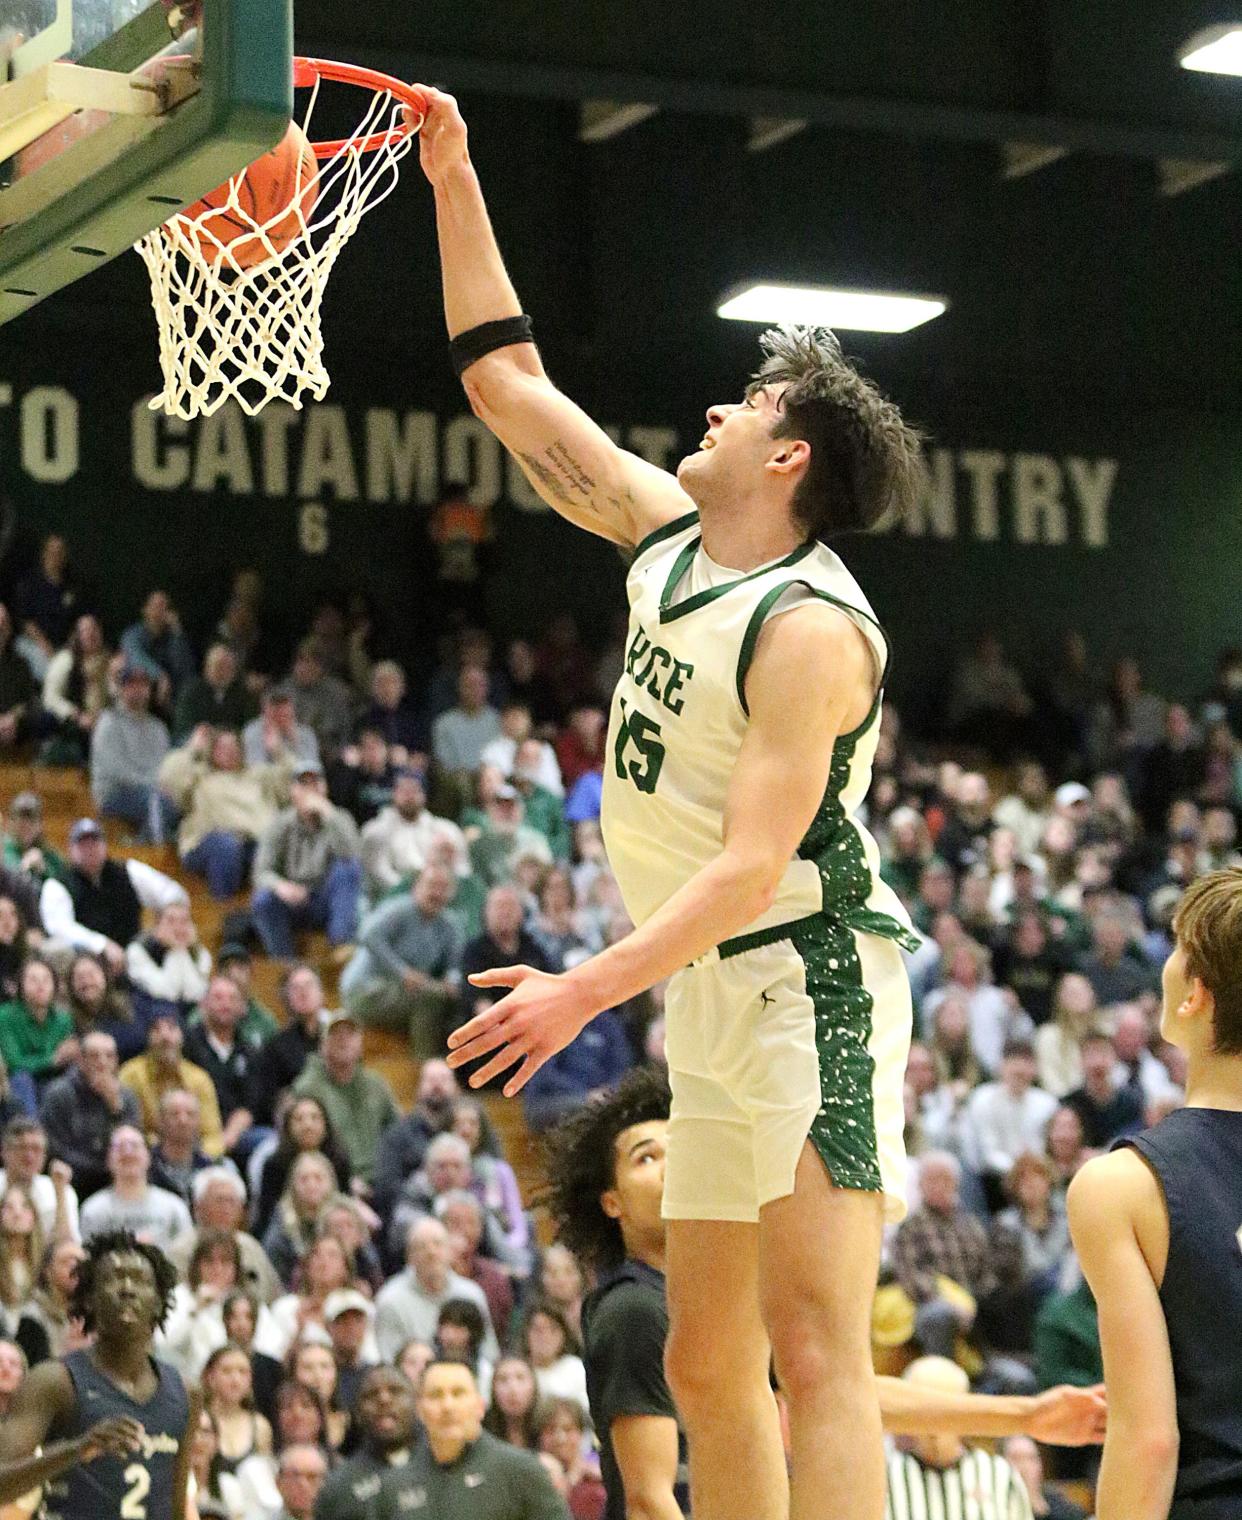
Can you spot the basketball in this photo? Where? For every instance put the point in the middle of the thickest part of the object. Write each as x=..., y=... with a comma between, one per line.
x=283, y=180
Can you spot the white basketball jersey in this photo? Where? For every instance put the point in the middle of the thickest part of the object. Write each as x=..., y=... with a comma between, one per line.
x=677, y=723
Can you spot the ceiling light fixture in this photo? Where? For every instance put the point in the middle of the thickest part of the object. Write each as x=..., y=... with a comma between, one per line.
x=829, y=306
x=1215, y=50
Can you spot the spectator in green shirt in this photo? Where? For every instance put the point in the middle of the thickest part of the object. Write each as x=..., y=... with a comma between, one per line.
x=504, y=835
x=359, y=1103
x=37, y=1039
x=1067, y=1340
x=545, y=811
x=25, y=847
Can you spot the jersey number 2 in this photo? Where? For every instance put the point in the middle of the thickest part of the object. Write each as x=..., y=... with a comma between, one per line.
x=134, y=1504
x=642, y=734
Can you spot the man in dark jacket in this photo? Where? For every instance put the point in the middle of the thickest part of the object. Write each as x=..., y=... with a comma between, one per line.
x=227, y=1056
x=404, y=1144
x=81, y=1109
x=279, y=1063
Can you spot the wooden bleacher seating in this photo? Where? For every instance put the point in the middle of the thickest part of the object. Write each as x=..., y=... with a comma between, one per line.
x=66, y=796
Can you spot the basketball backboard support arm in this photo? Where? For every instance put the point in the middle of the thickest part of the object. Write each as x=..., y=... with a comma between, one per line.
x=41, y=100
x=97, y=197
x=52, y=42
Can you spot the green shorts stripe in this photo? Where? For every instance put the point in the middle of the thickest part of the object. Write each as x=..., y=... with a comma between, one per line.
x=844, y=1130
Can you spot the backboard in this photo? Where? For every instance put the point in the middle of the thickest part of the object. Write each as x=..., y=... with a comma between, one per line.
x=114, y=114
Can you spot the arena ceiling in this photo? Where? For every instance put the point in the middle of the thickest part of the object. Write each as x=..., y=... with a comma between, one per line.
x=1037, y=78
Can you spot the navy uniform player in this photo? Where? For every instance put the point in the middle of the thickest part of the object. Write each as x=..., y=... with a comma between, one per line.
x=106, y=1430
x=1158, y=1228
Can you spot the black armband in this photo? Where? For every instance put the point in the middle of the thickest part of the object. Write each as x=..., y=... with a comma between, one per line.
x=466, y=347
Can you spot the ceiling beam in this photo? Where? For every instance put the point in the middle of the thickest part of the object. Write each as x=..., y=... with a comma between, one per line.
x=769, y=131
x=599, y=120
x=1023, y=158
x=1177, y=175
x=871, y=114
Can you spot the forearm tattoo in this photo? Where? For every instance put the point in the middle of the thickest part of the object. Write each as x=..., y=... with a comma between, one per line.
x=560, y=474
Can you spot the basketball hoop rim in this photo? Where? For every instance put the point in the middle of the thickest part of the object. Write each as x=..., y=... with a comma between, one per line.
x=308, y=71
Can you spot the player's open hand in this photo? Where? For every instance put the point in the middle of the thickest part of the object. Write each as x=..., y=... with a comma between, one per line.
x=539, y=1017
x=111, y=1438
x=1068, y=1416
x=442, y=139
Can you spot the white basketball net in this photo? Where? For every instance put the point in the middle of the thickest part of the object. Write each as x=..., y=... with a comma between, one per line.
x=254, y=335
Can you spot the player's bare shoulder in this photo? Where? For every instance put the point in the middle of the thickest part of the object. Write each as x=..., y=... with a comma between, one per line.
x=814, y=646
x=1114, y=1195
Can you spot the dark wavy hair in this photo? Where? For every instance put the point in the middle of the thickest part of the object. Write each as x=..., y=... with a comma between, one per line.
x=121, y=1243
x=494, y=1421
x=866, y=462
x=581, y=1164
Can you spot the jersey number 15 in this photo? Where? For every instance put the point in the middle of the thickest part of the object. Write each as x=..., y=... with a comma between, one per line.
x=642, y=734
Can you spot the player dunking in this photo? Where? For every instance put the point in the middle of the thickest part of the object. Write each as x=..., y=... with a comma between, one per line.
x=740, y=744
x=1158, y=1228
x=106, y=1430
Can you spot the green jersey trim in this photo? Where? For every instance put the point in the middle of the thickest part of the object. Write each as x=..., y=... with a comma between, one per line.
x=681, y=564
x=668, y=530
x=755, y=627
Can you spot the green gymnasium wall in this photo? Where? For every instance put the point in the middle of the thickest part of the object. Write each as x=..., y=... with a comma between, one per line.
x=1080, y=398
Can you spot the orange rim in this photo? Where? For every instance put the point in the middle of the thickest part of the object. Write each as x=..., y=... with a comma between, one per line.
x=307, y=70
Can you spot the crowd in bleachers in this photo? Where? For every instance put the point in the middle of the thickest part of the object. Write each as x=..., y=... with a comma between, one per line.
x=432, y=828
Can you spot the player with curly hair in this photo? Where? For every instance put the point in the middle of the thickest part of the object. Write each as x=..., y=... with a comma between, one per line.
x=605, y=1168
x=106, y=1430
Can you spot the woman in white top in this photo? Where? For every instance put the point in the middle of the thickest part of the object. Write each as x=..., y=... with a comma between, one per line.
x=195, y=1326
x=555, y=1353
x=21, y=1255
x=326, y=1267
x=75, y=687
x=169, y=964
x=1058, y=1042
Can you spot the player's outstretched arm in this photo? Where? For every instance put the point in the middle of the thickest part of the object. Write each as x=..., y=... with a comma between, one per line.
x=1115, y=1212
x=570, y=461
x=1062, y=1416
x=47, y=1394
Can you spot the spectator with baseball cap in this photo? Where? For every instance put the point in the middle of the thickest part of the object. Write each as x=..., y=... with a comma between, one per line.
x=503, y=836
x=349, y=1317
x=236, y=961
x=128, y=745
x=98, y=907
x=307, y=872
x=359, y=1102
x=25, y=845
x=1070, y=798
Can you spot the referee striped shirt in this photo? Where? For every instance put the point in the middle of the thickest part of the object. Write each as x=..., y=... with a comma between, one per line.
x=979, y=1486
